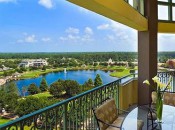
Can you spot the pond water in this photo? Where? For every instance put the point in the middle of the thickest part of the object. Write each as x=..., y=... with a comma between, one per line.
x=80, y=76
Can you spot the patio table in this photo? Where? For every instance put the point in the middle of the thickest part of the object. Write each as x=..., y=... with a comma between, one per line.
x=168, y=119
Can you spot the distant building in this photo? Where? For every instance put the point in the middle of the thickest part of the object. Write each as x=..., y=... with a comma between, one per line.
x=170, y=63
x=39, y=63
x=110, y=62
x=4, y=68
x=33, y=63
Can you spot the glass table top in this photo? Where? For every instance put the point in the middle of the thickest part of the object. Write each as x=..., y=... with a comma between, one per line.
x=168, y=119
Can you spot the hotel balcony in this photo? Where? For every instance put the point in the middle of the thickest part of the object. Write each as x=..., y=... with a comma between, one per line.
x=76, y=112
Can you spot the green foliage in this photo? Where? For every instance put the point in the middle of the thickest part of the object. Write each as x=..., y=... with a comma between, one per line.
x=90, y=82
x=68, y=87
x=9, y=97
x=44, y=68
x=56, y=89
x=98, y=81
x=8, y=72
x=11, y=88
x=43, y=86
x=131, y=65
x=88, y=85
x=72, y=87
x=11, y=101
x=33, y=89
x=32, y=103
x=28, y=105
x=2, y=99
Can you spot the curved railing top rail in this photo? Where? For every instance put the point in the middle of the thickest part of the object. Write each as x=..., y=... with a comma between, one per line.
x=62, y=102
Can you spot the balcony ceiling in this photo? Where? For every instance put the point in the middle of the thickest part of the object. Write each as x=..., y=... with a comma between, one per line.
x=120, y=11
x=117, y=10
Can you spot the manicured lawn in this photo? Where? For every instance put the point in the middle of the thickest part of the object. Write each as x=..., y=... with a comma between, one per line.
x=2, y=120
x=36, y=73
x=120, y=74
x=1, y=73
x=45, y=94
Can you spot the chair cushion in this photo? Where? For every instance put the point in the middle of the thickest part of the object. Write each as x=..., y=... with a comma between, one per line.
x=117, y=122
x=169, y=98
x=107, y=112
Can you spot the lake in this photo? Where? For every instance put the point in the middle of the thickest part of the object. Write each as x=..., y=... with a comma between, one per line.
x=80, y=76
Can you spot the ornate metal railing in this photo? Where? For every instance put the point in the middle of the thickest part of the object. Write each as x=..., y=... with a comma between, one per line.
x=164, y=78
x=71, y=114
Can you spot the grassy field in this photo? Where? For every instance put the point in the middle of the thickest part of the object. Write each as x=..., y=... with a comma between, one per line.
x=45, y=94
x=2, y=120
x=36, y=73
x=120, y=74
x=1, y=73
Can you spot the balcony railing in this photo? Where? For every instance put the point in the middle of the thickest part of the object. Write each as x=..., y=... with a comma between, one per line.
x=76, y=113
x=164, y=78
x=71, y=114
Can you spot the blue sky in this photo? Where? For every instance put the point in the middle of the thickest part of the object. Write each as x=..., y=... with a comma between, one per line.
x=59, y=26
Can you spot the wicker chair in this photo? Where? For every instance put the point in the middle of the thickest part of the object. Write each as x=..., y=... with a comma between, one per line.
x=169, y=98
x=107, y=116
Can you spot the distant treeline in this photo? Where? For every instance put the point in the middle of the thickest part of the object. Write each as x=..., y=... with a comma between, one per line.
x=86, y=56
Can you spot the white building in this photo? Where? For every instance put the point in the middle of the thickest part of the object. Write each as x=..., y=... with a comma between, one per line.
x=110, y=61
x=33, y=63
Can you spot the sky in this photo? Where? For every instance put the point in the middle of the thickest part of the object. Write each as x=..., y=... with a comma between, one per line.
x=60, y=26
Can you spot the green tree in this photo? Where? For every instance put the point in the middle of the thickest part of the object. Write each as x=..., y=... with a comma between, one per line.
x=72, y=87
x=98, y=81
x=90, y=82
x=28, y=105
x=43, y=86
x=44, y=68
x=11, y=101
x=12, y=88
x=2, y=99
x=56, y=89
x=33, y=89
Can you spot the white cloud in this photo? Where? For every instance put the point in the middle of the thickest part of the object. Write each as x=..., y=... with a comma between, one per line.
x=45, y=39
x=28, y=39
x=6, y=1
x=46, y=3
x=74, y=35
x=88, y=31
x=166, y=42
x=72, y=30
x=103, y=27
x=117, y=31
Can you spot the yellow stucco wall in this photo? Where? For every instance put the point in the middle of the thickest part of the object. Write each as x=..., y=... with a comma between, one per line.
x=128, y=94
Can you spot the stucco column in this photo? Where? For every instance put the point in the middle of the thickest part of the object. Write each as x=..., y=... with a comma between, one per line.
x=147, y=52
